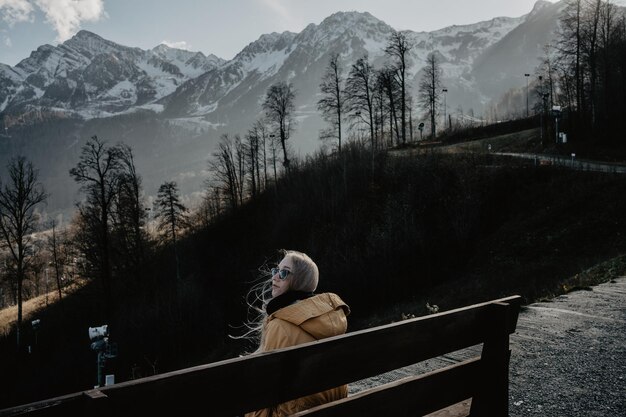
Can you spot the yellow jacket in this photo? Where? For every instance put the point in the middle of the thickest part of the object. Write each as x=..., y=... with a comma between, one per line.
x=318, y=317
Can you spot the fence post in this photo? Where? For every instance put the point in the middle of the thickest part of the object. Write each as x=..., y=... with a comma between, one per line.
x=96, y=404
x=492, y=398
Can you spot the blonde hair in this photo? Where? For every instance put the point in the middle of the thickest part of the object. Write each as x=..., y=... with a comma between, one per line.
x=304, y=276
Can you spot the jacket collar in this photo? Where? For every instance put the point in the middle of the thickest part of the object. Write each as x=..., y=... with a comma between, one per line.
x=285, y=300
x=311, y=307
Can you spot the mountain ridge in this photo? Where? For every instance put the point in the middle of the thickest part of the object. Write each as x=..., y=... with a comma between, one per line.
x=155, y=79
x=154, y=101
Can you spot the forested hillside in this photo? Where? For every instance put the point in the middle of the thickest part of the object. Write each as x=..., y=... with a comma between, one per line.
x=393, y=231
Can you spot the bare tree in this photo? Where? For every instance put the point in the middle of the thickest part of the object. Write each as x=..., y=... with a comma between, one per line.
x=570, y=45
x=240, y=164
x=226, y=173
x=279, y=108
x=386, y=77
x=429, y=89
x=255, y=149
x=129, y=215
x=360, y=95
x=332, y=102
x=171, y=216
x=398, y=47
x=54, y=247
x=18, y=198
x=263, y=136
x=98, y=174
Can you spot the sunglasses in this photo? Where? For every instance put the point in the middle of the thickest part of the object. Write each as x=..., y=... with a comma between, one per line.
x=282, y=273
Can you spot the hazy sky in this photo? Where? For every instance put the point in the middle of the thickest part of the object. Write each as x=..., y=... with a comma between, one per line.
x=221, y=27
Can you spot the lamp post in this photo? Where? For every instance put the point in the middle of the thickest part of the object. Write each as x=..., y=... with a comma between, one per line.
x=556, y=112
x=542, y=107
x=444, y=91
x=526, y=75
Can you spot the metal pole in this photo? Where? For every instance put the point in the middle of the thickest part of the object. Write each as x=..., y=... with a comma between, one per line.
x=541, y=124
x=445, y=91
x=543, y=106
x=556, y=119
x=100, y=368
x=526, y=75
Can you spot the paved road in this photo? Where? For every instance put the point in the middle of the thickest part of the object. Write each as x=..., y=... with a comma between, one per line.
x=568, y=357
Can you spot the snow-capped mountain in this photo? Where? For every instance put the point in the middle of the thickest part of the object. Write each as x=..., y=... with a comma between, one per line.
x=229, y=96
x=504, y=64
x=94, y=77
x=61, y=95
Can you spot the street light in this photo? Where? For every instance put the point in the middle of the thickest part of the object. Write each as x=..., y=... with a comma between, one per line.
x=526, y=75
x=556, y=112
x=444, y=91
x=543, y=105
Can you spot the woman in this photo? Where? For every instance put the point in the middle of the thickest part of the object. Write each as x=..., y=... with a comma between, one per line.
x=295, y=315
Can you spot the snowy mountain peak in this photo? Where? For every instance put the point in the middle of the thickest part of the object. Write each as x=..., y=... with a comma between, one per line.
x=89, y=43
x=539, y=6
x=337, y=24
x=351, y=19
x=266, y=43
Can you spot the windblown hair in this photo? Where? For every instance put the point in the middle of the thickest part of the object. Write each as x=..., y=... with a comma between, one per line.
x=304, y=276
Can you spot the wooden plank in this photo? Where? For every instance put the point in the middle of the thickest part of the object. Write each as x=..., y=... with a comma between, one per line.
x=65, y=405
x=243, y=384
x=461, y=409
x=414, y=396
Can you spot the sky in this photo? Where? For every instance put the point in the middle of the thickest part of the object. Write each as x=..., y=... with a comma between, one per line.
x=220, y=27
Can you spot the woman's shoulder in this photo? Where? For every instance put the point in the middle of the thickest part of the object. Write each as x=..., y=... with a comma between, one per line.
x=315, y=306
x=334, y=300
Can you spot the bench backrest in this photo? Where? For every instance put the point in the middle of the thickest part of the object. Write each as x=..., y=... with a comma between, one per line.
x=232, y=387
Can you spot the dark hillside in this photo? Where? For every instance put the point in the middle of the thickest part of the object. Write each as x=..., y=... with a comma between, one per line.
x=399, y=231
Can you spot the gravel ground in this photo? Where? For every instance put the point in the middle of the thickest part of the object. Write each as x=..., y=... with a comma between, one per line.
x=568, y=356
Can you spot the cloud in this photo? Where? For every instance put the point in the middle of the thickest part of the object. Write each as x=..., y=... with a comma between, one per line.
x=66, y=16
x=15, y=11
x=282, y=11
x=7, y=42
x=177, y=44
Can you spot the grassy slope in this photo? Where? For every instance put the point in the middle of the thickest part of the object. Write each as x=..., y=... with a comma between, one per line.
x=571, y=237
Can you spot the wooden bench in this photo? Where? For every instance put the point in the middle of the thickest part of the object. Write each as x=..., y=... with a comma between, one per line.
x=235, y=386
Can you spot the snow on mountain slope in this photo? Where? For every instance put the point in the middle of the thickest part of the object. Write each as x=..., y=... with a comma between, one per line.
x=239, y=85
x=94, y=77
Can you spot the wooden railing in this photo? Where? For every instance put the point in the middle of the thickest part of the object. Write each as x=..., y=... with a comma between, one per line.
x=235, y=386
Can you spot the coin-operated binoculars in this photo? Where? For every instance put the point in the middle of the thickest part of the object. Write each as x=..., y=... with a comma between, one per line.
x=104, y=347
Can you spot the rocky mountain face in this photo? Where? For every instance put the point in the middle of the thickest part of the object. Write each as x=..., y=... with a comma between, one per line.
x=301, y=58
x=171, y=105
x=92, y=77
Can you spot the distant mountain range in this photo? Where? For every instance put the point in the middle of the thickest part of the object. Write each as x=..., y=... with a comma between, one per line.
x=88, y=77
